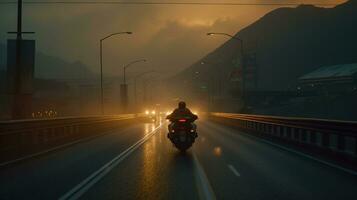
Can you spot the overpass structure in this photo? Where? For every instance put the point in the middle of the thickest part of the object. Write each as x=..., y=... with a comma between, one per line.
x=236, y=156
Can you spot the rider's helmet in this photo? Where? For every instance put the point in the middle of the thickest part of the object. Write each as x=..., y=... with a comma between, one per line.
x=182, y=105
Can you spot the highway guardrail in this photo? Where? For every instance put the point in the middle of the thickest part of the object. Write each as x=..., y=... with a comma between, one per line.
x=336, y=137
x=22, y=137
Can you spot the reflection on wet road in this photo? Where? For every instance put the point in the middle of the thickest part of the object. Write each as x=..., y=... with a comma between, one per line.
x=223, y=164
x=155, y=171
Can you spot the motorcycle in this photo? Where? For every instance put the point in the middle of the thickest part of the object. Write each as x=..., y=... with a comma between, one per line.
x=182, y=133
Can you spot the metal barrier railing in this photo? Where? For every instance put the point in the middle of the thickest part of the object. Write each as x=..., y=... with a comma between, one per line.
x=22, y=135
x=328, y=135
x=18, y=126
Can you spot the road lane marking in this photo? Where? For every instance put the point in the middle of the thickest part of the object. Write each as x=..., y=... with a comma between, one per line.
x=202, y=182
x=233, y=169
x=349, y=171
x=303, y=155
x=87, y=183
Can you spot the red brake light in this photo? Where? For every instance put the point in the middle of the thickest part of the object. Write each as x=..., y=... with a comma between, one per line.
x=182, y=120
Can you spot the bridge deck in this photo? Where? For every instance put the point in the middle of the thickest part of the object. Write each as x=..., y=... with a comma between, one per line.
x=224, y=164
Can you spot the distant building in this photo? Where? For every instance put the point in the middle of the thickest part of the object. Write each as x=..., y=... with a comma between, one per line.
x=331, y=79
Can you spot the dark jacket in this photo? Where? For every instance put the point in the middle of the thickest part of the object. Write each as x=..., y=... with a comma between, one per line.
x=182, y=113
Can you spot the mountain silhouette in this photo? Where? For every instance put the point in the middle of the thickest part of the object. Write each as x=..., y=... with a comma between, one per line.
x=288, y=43
x=51, y=67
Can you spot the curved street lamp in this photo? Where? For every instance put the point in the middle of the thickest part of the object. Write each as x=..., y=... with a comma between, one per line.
x=147, y=83
x=241, y=52
x=135, y=82
x=124, y=87
x=130, y=64
x=101, y=66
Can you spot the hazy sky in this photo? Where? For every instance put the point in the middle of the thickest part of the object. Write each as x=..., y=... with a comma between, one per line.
x=170, y=37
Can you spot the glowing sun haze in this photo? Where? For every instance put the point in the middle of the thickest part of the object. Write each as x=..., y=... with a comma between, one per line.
x=170, y=37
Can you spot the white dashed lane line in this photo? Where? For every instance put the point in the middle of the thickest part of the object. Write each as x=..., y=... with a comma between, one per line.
x=234, y=170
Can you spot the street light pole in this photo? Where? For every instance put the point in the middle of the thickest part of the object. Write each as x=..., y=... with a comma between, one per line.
x=124, y=86
x=130, y=64
x=101, y=67
x=146, y=84
x=241, y=53
x=101, y=78
x=135, y=83
x=211, y=86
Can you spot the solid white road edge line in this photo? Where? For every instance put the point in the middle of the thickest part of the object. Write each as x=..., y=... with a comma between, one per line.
x=203, y=184
x=303, y=155
x=87, y=183
x=233, y=169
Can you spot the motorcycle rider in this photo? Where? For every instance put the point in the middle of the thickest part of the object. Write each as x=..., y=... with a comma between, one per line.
x=182, y=112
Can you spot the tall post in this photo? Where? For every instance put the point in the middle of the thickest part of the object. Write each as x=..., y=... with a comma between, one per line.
x=101, y=66
x=19, y=20
x=242, y=58
x=16, y=113
x=124, y=68
x=135, y=93
x=243, y=67
x=124, y=97
x=135, y=85
x=101, y=78
x=20, y=70
x=212, y=92
x=124, y=92
x=124, y=87
x=144, y=93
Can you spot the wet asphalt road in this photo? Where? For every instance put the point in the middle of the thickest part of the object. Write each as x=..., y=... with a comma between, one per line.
x=223, y=164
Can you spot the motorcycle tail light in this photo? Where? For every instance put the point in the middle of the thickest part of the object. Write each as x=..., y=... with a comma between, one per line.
x=182, y=120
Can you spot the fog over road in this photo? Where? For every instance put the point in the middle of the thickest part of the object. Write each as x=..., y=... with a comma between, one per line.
x=139, y=162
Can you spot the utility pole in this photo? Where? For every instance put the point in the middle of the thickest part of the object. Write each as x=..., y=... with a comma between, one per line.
x=20, y=69
x=15, y=110
x=19, y=20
